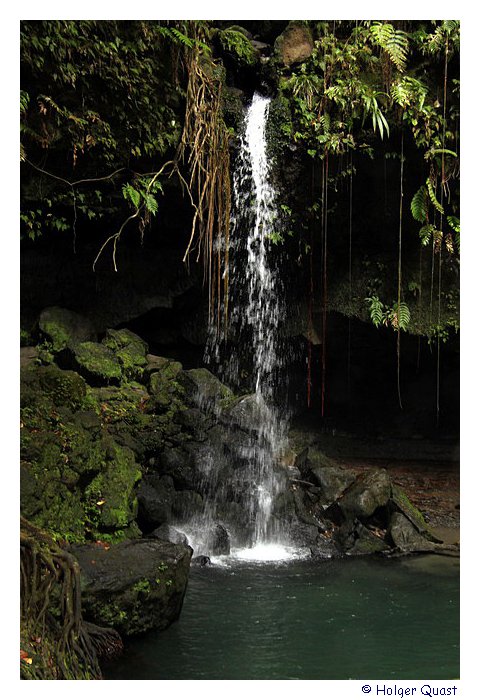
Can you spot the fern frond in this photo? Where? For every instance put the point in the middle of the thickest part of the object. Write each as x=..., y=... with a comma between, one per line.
x=425, y=233
x=454, y=223
x=130, y=193
x=393, y=42
x=439, y=151
x=24, y=101
x=325, y=123
x=151, y=203
x=375, y=308
x=237, y=43
x=419, y=204
x=433, y=198
x=402, y=314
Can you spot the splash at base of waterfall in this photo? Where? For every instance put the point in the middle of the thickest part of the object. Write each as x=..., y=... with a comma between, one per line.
x=262, y=553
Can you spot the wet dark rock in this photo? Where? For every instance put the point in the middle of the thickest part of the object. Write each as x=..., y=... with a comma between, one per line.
x=406, y=537
x=205, y=390
x=194, y=422
x=243, y=414
x=354, y=538
x=218, y=540
x=178, y=463
x=169, y=534
x=155, y=497
x=133, y=586
x=187, y=504
x=370, y=491
x=406, y=507
x=201, y=560
x=306, y=510
x=63, y=328
x=303, y=534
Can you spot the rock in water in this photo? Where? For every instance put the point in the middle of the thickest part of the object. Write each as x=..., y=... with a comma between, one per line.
x=134, y=586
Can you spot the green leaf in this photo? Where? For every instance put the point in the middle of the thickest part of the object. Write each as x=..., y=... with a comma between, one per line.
x=433, y=199
x=425, y=233
x=454, y=223
x=375, y=308
x=151, y=203
x=419, y=204
x=130, y=193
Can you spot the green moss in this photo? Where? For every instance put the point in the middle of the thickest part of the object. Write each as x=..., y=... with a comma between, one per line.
x=167, y=393
x=40, y=385
x=25, y=338
x=404, y=504
x=142, y=586
x=130, y=350
x=110, y=499
x=97, y=363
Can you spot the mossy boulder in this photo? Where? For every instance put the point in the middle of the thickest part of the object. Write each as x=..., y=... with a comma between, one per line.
x=63, y=328
x=405, y=535
x=110, y=497
x=97, y=364
x=130, y=350
x=294, y=45
x=370, y=491
x=333, y=479
x=206, y=391
x=403, y=505
x=167, y=393
x=60, y=388
x=76, y=481
x=133, y=586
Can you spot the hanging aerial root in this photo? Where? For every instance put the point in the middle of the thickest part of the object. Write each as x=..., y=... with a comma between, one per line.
x=204, y=148
x=57, y=644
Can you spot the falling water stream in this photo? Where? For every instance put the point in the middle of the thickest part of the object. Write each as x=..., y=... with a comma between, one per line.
x=254, y=195
x=255, y=319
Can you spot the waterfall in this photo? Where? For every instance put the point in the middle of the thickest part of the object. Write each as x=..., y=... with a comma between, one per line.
x=255, y=317
x=254, y=210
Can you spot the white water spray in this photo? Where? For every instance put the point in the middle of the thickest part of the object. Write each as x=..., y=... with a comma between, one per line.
x=255, y=317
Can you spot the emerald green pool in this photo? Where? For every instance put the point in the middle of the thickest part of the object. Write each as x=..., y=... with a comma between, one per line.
x=333, y=619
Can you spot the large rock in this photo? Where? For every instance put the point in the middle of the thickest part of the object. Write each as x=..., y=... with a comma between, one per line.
x=56, y=386
x=354, y=538
x=370, y=491
x=178, y=463
x=130, y=350
x=97, y=363
x=133, y=586
x=155, y=497
x=295, y=44
x=169, y=534
x=406, y=537
x=206, y=391
x=243, y=414
x=218, y=540
x=332, y=479
x=406, y=507
x=64, y=328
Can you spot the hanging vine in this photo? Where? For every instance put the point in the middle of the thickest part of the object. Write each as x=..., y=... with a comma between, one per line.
x=204, y=147
x=57, y=643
